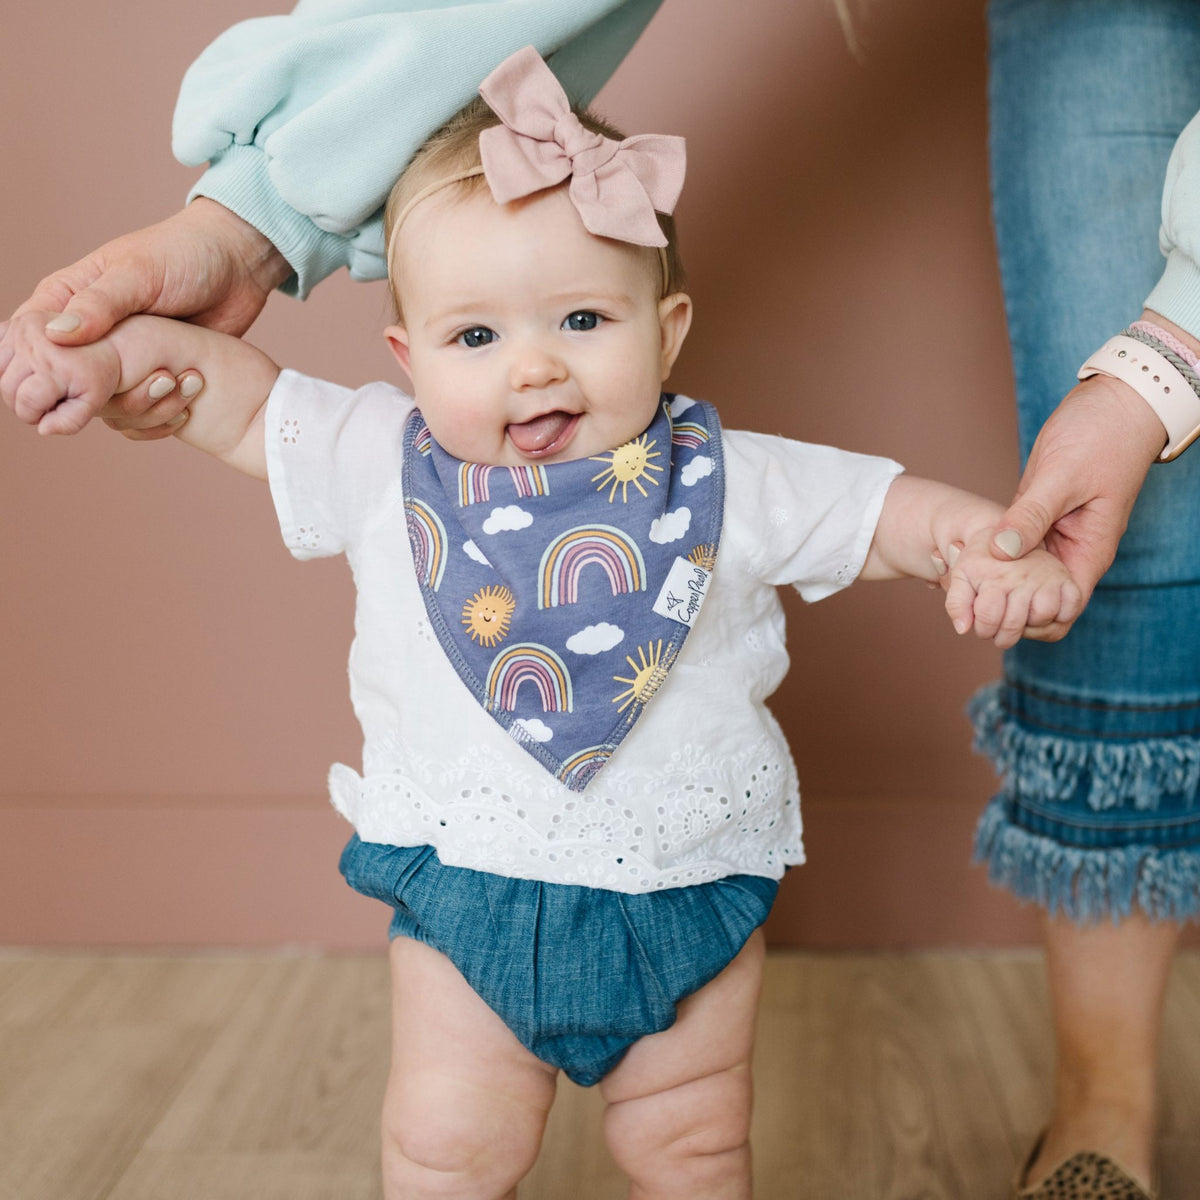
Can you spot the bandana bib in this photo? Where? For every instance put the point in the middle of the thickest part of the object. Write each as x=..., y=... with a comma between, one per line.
x=562, y=593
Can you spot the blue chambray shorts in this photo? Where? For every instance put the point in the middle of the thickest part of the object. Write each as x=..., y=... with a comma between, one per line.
x=578, y=974
x=1097, y=737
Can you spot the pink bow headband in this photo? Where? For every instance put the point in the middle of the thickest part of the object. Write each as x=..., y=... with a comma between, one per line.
x=617, y=187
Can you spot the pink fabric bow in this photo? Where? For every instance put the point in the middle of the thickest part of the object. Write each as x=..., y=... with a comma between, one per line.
x=616, y=186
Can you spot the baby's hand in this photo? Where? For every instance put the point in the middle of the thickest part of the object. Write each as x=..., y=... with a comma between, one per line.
x=57, y=388
x=1032, y=596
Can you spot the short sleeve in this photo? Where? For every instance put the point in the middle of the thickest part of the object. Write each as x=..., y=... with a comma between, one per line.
x=805, y=513
x=333, y=459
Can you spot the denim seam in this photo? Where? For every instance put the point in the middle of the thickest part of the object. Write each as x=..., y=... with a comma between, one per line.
x=1096, y=705
x=1059, y=818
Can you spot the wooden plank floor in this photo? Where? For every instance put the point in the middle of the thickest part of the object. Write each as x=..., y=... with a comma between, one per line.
x=248, y=1077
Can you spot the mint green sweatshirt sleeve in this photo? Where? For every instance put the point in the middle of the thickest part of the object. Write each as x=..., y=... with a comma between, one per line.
x=306, y=120
x=1176, y=296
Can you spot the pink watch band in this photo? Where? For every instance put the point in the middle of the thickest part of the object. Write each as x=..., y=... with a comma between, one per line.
x=1157, y=381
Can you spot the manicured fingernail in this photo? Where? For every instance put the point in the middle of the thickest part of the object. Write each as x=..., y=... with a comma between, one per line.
x=939, y=563
x=164, y=385
x=178, y=420
x=952, y=558
x=64, y=323
x=1009, y=540
x=190, y=386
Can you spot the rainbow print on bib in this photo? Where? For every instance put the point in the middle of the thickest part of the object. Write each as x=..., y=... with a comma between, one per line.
x=562, y=594
x=615, y=555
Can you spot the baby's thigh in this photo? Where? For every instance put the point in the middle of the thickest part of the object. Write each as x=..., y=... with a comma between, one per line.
x=693, y=1078
x=466, y=1103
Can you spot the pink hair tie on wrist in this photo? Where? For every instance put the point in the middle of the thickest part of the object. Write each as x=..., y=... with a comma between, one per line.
x=617, y=187
x=1169, y=340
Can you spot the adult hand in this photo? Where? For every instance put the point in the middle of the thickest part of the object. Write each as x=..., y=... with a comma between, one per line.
x=1084, y=473
x=157, y=408
x=204, y=263
x=59, y=389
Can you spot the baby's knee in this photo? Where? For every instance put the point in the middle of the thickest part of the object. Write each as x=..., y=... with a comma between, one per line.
x=444, y=1153
x=692, y=1135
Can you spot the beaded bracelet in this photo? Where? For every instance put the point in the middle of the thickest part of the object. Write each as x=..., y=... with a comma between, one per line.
x=1163, y=371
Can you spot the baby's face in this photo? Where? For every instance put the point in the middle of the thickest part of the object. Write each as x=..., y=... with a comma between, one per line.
x=528, y=339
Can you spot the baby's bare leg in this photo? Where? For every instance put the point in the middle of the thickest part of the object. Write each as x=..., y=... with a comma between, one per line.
x=678, y=1119
x=466, y=1103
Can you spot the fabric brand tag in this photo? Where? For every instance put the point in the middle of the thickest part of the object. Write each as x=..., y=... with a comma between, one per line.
x=684, y=592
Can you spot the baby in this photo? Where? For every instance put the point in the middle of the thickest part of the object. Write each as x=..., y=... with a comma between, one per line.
x=573, y=797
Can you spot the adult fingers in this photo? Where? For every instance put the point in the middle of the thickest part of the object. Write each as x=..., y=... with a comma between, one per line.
x=1027, y=521
x=90, y=312
x=157, y=408
x=170, y=429
x=1054, y=632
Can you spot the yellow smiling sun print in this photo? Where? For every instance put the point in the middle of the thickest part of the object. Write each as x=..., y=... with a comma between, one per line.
x=628, y=464
x=487, y=615
x=647, y=678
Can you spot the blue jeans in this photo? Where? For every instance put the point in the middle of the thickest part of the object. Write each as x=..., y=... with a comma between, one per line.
x=1096, y=738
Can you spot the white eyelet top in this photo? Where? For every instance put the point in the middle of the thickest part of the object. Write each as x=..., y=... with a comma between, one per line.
x=704, y=785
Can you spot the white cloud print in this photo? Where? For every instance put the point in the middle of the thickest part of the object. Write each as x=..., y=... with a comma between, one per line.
x=697, y=469
x=508, y=518
x=473, y=551
x=533, y=729
x=595, y=639
x=670, y=527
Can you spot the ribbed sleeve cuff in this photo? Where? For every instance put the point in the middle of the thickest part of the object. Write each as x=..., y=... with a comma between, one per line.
x=1176, y=296
x=239, y=180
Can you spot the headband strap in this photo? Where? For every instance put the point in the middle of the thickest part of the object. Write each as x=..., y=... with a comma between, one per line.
x=428, y=190
x=438, y=184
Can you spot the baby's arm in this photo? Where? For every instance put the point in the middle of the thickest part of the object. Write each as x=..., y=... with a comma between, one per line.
x=41, y=380
x=227, y=416
x=924, y=523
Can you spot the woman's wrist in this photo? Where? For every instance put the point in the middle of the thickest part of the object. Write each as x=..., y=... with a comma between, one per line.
x=1159, y=363
x=1142, y=429
x=267, y=266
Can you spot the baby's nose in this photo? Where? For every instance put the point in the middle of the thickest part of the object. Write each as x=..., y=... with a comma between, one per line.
x=535, y=366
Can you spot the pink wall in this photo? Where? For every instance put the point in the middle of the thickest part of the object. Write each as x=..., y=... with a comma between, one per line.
x=173, y=685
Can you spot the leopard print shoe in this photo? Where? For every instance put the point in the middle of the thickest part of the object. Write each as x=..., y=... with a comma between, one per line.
x=1084, y=1176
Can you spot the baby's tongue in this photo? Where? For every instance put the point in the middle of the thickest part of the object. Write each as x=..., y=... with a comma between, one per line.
x=531, y=436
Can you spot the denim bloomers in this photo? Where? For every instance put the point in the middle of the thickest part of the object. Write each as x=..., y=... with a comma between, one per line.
x=578, y=974
x=1097, y=737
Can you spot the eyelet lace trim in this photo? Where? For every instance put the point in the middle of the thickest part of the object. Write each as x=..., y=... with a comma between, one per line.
x=694, y=818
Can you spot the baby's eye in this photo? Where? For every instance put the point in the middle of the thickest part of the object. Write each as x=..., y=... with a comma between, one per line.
x=582, y=321
x=477, y=335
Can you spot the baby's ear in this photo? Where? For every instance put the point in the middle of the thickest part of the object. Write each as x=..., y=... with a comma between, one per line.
x=674, y=319
x=397, y=340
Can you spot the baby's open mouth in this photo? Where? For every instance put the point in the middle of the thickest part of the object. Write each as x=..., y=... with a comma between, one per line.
x=544, y=434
